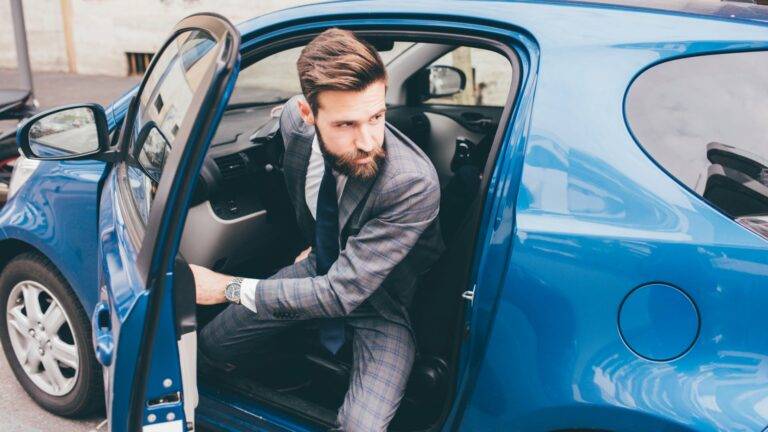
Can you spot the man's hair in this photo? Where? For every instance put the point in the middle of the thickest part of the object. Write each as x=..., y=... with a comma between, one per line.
x=338, y=60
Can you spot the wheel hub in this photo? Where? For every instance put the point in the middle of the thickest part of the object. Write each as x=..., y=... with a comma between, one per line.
x=49, y=361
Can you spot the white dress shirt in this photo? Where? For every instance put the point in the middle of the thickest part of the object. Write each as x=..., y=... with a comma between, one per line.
x=315, y=172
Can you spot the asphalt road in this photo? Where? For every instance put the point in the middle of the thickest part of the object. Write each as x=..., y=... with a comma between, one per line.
x=54, y=89
x=18, y=412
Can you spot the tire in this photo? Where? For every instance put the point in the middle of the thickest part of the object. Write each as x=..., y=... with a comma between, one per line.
x=77, y=389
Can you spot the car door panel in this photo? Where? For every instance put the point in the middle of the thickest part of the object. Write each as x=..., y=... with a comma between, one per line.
x=441, y=146
x=119, y=317
x=147, y=385
x=478, y=119
x=436, y=129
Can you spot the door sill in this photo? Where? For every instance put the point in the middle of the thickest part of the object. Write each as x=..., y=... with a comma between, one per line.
x=226, y=388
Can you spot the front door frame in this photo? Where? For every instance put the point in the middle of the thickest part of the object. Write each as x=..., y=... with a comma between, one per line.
x=159, y=239
x=501, y=178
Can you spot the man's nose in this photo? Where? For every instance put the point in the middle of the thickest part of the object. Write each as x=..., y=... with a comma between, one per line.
x=364, y=140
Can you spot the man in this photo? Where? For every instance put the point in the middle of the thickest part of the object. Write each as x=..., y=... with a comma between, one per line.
x=367, y=200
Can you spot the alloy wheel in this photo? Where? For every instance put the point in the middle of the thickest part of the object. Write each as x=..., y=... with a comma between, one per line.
x=41, y=336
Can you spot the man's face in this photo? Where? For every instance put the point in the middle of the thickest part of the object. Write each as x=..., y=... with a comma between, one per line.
x=350, y=128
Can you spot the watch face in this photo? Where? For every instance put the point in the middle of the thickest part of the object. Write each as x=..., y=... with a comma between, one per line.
x=232, y=292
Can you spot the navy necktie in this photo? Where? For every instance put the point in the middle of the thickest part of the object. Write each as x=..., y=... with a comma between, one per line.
x=327, y=251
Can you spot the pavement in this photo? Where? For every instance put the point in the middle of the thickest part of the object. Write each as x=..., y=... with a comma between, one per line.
x=18, y=412
x=54, y=89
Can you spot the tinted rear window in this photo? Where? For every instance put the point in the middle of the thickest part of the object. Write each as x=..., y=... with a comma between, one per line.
x=705, y=120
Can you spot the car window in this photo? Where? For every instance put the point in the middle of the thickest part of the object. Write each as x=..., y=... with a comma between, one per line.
x=162, y=106
x=275, y=78
x=488, y=73
x=703, y=119
x=270, y=80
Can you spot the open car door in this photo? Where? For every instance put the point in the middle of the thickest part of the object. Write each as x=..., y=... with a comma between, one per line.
x=144, y=330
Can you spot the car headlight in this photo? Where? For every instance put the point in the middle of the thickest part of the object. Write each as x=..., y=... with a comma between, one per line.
x=22, y=170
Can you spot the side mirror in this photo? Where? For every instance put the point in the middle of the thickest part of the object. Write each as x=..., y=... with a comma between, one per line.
x=152, y=150
x=440, y=81
x=65, y=133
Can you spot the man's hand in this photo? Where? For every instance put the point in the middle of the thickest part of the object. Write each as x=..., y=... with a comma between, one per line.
x=303, y=255
x=209, y=285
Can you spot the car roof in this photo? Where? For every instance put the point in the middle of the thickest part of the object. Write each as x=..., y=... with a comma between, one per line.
x=734, y=10
x=711, y=8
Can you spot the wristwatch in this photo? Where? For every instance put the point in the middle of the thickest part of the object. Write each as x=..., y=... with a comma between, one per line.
x=232, y=291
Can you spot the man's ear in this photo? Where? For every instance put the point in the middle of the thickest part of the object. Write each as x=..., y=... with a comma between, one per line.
x=306, y=111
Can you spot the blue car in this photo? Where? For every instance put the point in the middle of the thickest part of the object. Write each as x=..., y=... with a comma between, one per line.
x=604, y=175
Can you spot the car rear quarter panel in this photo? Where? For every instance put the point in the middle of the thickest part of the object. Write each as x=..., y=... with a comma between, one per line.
x=595, y=218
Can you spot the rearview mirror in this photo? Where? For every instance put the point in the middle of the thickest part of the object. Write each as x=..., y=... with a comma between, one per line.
x=64, y=133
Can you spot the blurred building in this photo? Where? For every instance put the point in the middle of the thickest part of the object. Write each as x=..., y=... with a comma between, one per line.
x=118, y=37
x=109, y=37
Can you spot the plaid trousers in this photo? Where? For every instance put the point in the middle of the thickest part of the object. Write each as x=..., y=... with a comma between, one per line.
x=383, y=354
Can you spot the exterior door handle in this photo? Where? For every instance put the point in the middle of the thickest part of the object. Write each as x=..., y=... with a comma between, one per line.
x=469, y=295
x=101, y=326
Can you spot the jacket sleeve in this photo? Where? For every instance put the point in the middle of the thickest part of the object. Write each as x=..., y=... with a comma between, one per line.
x=302, y=269
x=406, y=208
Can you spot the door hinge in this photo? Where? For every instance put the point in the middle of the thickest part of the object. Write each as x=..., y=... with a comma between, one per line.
x=469, y=295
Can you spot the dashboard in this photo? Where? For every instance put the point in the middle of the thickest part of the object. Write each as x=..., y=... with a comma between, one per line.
x=240, y=195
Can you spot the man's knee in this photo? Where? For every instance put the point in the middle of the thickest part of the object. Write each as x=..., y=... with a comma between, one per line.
x=215, y=339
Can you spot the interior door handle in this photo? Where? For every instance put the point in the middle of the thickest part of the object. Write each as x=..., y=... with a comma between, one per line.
x=476, y=120
x=482, y=123
x=101, y=326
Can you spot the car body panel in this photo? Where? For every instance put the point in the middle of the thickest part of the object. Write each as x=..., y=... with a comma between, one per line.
x=576, y=217
x=60, y=191
x=727, y=10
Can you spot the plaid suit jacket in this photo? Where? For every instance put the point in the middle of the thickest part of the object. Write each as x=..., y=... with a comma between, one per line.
x=388, y=226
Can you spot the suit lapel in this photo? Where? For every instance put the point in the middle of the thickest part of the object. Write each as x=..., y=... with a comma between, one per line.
x=302, y=148
x=357, y=189
x=354, y=192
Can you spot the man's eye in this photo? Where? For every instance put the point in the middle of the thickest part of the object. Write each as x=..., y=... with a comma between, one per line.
x=345, y=125
x=378, y=117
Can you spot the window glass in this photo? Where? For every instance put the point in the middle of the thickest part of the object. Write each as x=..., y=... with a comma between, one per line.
x=270, y=80
x=162, y=106
x=705, y=120
x=275, y=79
x=488, y=73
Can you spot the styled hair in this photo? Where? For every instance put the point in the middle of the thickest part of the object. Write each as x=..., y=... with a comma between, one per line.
x=338, y=60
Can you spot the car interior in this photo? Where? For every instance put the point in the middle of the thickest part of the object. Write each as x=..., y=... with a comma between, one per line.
x=449, y=98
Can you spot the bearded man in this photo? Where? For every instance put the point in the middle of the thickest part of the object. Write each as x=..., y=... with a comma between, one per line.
x=367, y=200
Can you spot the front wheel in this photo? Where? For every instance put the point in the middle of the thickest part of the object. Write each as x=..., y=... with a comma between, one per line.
x=46, y=338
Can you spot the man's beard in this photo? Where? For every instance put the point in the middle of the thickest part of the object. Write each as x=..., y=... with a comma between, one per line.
x=345, y=163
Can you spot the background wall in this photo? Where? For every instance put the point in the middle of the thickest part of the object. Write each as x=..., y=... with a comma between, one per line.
x=92, y=37
x=102, y=31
